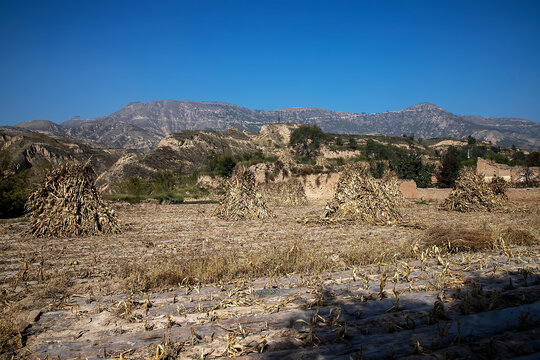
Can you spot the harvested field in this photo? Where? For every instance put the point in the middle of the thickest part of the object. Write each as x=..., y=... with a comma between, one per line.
x=179, y=282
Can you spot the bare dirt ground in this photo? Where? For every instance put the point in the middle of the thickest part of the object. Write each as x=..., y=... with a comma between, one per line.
x=180, y=283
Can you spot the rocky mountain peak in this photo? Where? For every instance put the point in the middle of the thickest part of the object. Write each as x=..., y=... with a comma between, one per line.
x=425, y=106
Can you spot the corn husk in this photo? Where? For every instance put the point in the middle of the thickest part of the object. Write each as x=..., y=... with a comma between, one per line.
x=360, y=197
x=241, y=199
x=472, y=193
x=67, y=203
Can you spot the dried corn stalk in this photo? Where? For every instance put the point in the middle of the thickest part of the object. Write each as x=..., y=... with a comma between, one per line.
x=241, y=200
x=360, y=197
x=499, y=186
x=288, y=193
x=68, y=204
x=471, y=193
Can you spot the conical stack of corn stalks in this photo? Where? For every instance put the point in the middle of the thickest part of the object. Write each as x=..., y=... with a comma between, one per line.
x=241, y=200
x=68, y=204
x=360, y=197
x=471, y=193
x=389, y=183
x=499, y=186
x=287, y=193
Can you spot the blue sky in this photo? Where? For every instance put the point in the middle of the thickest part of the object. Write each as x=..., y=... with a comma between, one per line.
x=60, y=59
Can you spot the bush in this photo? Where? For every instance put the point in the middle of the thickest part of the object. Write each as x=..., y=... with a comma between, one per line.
x=519, y=157
x=533, y=159
x=221, y=165
x=447, y=172
x=377, y=169
x=498, y=158
x=163, y=182
x=13, y=188
x=411, y=167
x=378, y=151
x=224, y=164
x=13, y=196
x=134, y=186
x=353, y=145
x=306, y=140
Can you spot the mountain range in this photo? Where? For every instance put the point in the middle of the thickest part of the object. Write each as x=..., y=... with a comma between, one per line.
x=140, y=126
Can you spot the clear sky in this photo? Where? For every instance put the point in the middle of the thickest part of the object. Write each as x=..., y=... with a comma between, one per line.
x=60, y=59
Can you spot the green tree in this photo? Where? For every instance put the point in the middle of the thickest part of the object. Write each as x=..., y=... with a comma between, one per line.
x=410, y=166
x=306, y=140
x=519, y=156
x=447, y=172
x=533, y=159
x=13, y=188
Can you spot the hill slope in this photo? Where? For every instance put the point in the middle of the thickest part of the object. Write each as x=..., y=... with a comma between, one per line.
x=37, y=151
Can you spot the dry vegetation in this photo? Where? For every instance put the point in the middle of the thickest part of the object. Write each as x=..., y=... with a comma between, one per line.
x=286, y=193
x=360, y=197
x=180, y=282
x=67, y=203
x=241, y=199
x=472, y=193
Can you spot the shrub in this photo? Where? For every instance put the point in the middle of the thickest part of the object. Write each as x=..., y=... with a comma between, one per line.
x=222, y=165
x=13, y=188
x=134, y=186
x=163, y=182
x=306, y=140
x=377, y=169
x=533, y=159
x=411, y=167
x=353, y=145
x=447, y=172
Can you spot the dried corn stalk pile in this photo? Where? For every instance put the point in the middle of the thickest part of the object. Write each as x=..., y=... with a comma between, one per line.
x=241, y=200
x=471, y=193
x=499, y=186
x=361, y=197
x=288, y=193
x=68, y=204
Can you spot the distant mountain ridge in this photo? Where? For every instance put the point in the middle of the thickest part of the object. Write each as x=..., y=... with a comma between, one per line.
x=141, y=125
